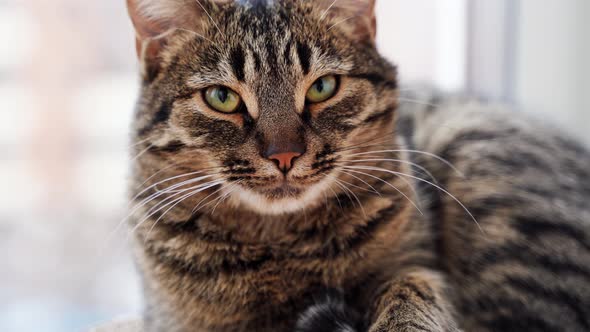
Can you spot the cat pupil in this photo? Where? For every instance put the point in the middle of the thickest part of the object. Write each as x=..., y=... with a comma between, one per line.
x=320, y=85
x=222, y=95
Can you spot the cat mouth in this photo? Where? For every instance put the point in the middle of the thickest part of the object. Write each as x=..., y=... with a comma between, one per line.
x=281, y=196
x=283, y=189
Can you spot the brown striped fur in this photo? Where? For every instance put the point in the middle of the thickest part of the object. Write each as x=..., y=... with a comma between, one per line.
x=245, y=254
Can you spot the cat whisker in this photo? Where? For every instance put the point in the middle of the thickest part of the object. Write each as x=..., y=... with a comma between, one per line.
x=171, y=198
x=141, y=142
x=177, y=200
x=340, y=22
x=195, y=33
x=164, y=181
x=388, y=184
x=379, y=169
x=211, y=18
x=141, y=153
x=419, y=102
x=181, y=191
x=174, y=190
x=198, y=205
x=325, y=13
x=361, y=180
x=353, y=185
x=161, y=217
x=336, y=196
x=432, y=155
x=174, y=203
x=385, y=143
x=145, y=201
x=383, y=137
x=227, y=194
x=171, y=31
x=346, y=189
x=420, y=167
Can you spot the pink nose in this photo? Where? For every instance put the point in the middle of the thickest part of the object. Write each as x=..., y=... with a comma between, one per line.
x=285, y=160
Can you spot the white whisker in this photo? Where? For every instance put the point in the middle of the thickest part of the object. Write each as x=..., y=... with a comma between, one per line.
x=337, y=198
x=211, y=18
x=419, y=102
x=378, y=169
x=198, y=206
x=227, y=194
x=141, y=142
x=390, y=185
x=343, y=186
x=382, y=138
x=340, y=22
x=196, y=34
x=171, y=31
x=141, y=153
x=432, y=155
x=353, y=185
x=325, y=13
x=152, y=197
x=164, y=181
x=423, y=169
x=175, y=193
x=174, y=203
x=361, y=180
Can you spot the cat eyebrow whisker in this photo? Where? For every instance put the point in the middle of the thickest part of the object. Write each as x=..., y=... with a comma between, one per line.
x=211, y=18
x=141, y=142
x=141, y=153
x=340, y=22
x=173, y=30
x=196, y=34
x=415, y=101
x=325, y=13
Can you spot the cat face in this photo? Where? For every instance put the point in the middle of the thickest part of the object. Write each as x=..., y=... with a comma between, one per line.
x=268, y=96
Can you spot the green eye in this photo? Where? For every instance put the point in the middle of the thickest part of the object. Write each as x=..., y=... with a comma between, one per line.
x=222, y=99
x=322, y=89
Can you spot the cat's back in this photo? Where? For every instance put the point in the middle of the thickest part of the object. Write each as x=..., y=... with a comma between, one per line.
x=521, y=259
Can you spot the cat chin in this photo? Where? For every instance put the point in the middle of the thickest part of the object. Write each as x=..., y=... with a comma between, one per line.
x=268, y=205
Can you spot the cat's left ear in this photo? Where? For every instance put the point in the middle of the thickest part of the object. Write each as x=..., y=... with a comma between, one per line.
x=355, y=17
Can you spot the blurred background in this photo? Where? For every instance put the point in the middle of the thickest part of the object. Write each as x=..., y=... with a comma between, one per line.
x=68, y=83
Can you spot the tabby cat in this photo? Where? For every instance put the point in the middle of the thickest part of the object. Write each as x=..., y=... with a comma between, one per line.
x=274, y=191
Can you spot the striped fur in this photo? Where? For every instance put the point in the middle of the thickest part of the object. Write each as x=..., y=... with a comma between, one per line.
x=527, y=185
x=222, y=248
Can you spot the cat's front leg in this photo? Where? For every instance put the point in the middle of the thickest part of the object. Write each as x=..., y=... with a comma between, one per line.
x=414, y=302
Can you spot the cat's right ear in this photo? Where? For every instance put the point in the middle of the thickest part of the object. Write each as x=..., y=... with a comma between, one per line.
x=155, y=20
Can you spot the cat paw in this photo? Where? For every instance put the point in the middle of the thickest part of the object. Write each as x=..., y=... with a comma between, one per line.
x=329, y=315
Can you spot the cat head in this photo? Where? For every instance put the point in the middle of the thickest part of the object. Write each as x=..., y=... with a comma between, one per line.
x=268, y=97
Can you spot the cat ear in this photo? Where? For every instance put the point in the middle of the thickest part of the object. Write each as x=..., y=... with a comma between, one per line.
x=355, y=17
x=156, y=20
x=152, y=19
